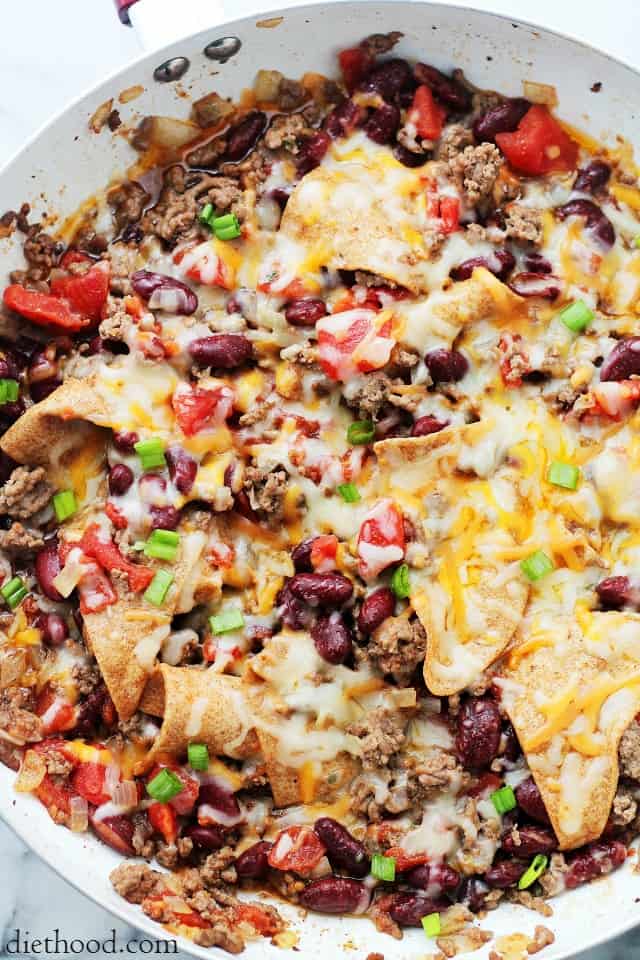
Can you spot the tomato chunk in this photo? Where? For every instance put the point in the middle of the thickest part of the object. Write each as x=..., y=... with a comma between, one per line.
x=539, y=145
x=406, y=861
x=88, y=780
x=381, y=539
x=164, y=821
x=57, y=714
x=107, y=554
x=265, y=922
x=43, y=309
x=85, y=293
x=197, y=408
x=353, y=341
x=427, y=116
x=298, y=849
x=323, y=553
x=354, y=64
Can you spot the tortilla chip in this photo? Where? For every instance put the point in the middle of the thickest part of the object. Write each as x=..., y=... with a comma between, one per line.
x=570, y=693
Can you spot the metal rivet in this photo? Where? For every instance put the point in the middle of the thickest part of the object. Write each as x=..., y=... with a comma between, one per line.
x=222, y=49
x=171, y=70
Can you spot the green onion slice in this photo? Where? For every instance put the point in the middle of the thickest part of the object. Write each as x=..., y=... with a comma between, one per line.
x=151, y=453
x=361, y=431
x=14, y=592
x=400, y=581
x=64, y=504
x=162, y=544
x=226, y=227
x=198, y=755
x=577, y=316
x=206, y=214
x=349, y=492
x=504, y=799
x=164, y=786
x=431, y=924
x=384, y=868
x=157, y=589
x=9, y=390
x=535, y=869
x=563, y=475
x=636, y=241
x=536, y=565
x=226, y=621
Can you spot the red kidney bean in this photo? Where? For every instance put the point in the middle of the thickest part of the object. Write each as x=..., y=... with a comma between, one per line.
x=408, y=158
x=252, y=862
x=220, y=798
x=536, y=263
x=182, y=468
x=47, y=567
x=224, y=351
x=344, y=119
x=446, y=365
x=43, y=366
x=164, y=518
x=592, y=177
x=423, y=426
x=301, y=556
x=242, y=137
x=335, y=895
x=473, y=893
x=116, y=831
x=120, y=479
x=478, y=733
x=383, y=123
x=9, y=369
x=446, y=89
x=146, y=284
x=321, y=589
x=439, y=875
x=594, y=861
x=596, y=222
x=614, y=593
x=294, y=612
x=332, y=638
x=532, y=840
x=7, y=466
x=312, y=152
x=530, y=800
x=389, y=78
x=343, y=850
x=623, y=361
x=42, y=388
x=503, y=118
x=10, y=412
x=206, y=838
x=91, y=710
x=375, y=609
x=54, y=628
x=500, y=263
x=125, y=440
x=408, y=909
x=535, y=285
x=505, y=874
x=512, y=749
x=305, y=312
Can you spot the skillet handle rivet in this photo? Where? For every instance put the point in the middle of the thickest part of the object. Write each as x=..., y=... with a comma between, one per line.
x=222, y=49
x=171, y=70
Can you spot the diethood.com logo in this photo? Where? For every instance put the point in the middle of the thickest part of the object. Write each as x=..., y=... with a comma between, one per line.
x=22, y=944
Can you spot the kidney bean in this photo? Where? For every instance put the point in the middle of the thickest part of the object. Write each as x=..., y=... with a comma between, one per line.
x=90, y=711
x=332, y=638
x=375, y=609
x=446, y=365
x=535, y=285
x=623, y=361
x=408, y=909
x=423, y=426
x=312, y=152
x=335, y=895
x=473, y=893
x=532, y=840
x=321, y=589
x=224, y=351
x=182, y=468
x=42, y=388
x=594, y=861
x=10, y=412
x=512, y=749
x=343, y=119
x=124, y=440
x=7, y=466
x=408, y=158
x=54, y=628
x=503, y=118
x=206, y=838
x=116, y=831
x=500, y=263
x=47, y=567
x=383, y=123
x=389, y=78
x=596, y=222
x=530, y=800
x=505, y=874
x=301, y=556
x=120, y=479
x=536, y=263
x=146, y=283
x=220, y=798
x=592, y=177
x=614, y=593
x=9, y=369
x=294, y=612
x=43, y=366
x=164, y=518
x=439, y=875
x=478, y=733
x=243, y=135
x=305, y=312
x=252, y=862
x=446, y=89
x=343, y=850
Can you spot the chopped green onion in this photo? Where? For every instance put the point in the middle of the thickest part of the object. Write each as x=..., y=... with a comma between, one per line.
x=157, y=589
x=535, y=869
x=162, y=544
x=9, y=391
x=226, y=227
x=151, y=453
x=226, y=621
x=198, y=756
x=536, y=565
x=504, y=799
x=431, y=924
x=14, y=592
x=64, y=504
x=361, y=431
x=563, y=475
x=577, y=316
x=400, y=581
x=636, y=241
x=349, y=492
x=206, y=214
x=164, y=786
x=384, y=868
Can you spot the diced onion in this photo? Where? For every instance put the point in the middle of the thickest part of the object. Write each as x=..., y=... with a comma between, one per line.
x=12, y=667
x=177, y=905
x=79, y=820
x=125, y=794
x=165, y=132
x=405, y=697
x=171, y=299
x=32, y=773
x=70, y=575
x=540, y=93
x=111, y=779
x=266, y=85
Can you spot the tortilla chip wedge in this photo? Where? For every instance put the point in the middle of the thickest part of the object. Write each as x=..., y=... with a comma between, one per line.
x=571, y=691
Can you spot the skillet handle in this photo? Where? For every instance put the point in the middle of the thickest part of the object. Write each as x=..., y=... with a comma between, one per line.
x=122, y=6
x=159, y=22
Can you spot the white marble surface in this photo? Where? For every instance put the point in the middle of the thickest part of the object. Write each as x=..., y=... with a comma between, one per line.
x=49, y=53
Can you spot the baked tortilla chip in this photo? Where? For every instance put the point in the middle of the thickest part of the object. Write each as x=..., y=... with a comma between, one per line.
x=571, y=691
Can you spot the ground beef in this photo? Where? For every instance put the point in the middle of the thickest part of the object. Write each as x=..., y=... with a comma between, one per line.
x=382, y=735
x=404, y=358
x=127, y=202
x=17, y=539
x=431, y=772
x=397, y=647
x=629, y=752
x=291, y=95
x=371, y=396
x=25, y=492
x=175, y=216
x=306, y=354
x=252, y=171
x=41, y=253
x=135, y=881
x=479, y=842
x=266, y=490
x=117, y=322
x=524, y=223
x=542, y=937
x=206, y=155
x=624, y=809
x=57, y=764
x=476, y=169
x=169, y=855
x=16, y=718
x=552, y=880
x=379, y=43
x=86, y=676
x=123, y=258
x=527, y=899
x=141, y=841
x=218, y=867
x=455, y=138
x=287, y=132
x=367, y=279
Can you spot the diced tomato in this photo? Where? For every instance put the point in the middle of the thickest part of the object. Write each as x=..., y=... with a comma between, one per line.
x=107, y=554
x=86, y=293
x=88, y=781
x=406, y=861
x=381, y=539
x=197, y=407
x=293, y=290
x=298, y=849
x=446, y=209
x=353, y=341
x=56, y=713
x=510, y=348
x=202, y=264
x=183, y=802
x=323, y=553
x=192, y=920
x=117, y=519
x=354, y=64
x=210, y=649
x=116, y=832
x=539, y=145
x=220, y=554
x=427, y=116
x=55, y=745
x=43, y=309
x=72, y=257
x=164, y=821
x=96, y=591
x=56, y=796
x=265, y=922
x=616, y=399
